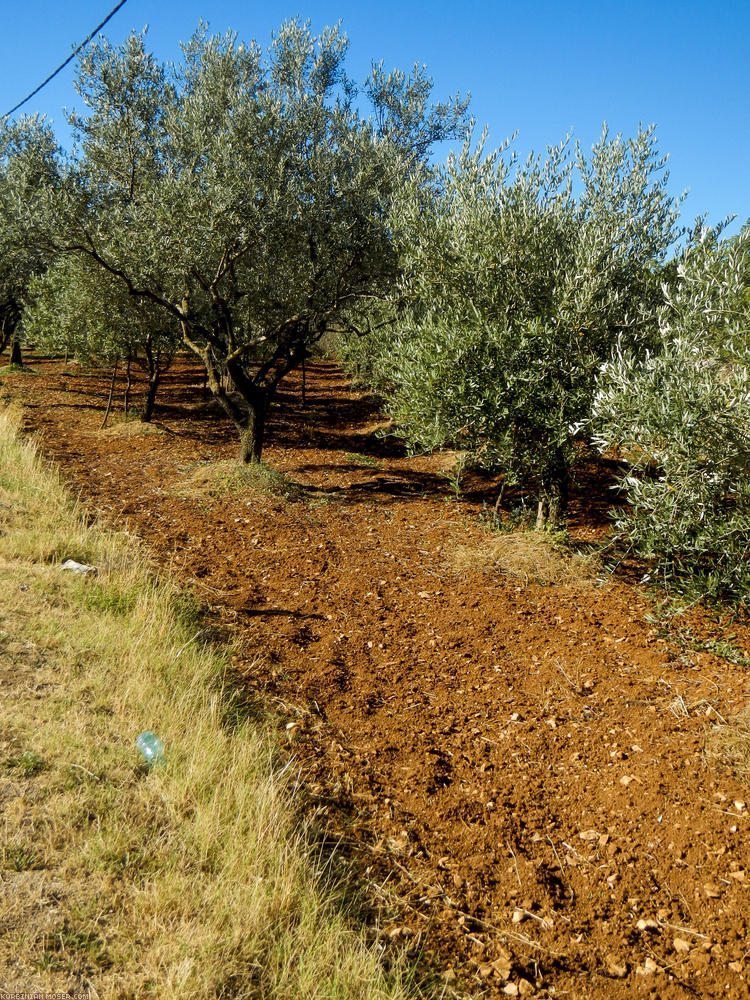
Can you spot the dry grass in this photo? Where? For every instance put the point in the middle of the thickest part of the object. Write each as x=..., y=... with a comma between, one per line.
x=194, y=880
x=128, y=429
x=219, y=478
x=729, y=744
x=529, y=556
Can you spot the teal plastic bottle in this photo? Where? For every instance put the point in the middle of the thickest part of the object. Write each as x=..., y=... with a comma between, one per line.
x=151, y=749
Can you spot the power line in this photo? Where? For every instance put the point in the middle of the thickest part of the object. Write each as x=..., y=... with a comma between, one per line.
x=72, y=56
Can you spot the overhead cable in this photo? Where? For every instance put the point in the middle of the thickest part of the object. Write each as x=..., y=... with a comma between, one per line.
x=72, y=56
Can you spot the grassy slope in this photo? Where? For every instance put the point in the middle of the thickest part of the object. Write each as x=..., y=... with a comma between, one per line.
x=197, y=879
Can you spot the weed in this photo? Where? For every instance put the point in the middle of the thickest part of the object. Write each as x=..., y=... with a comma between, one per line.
x=727, y=651
x=521, y=516
x=357, y=459
x=317, y=502
x=65, y=948
x=220, y=478
x=454, y=475
x=28, y=764
x=666, y=615
x=18, y=370
x=108, y=600
x=186, y=610
x=20, y=858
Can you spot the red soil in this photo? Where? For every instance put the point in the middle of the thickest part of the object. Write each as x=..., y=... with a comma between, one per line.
x=523, y=766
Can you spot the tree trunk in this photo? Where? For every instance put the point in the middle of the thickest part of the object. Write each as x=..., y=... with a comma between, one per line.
x=10, y=315
x=154, y=377
x=15, y=352
x=111, y=394
x=150, y=397
x=253, y=433
x=248, y=416
x=553, y=504
x=128, y=383
x=304, y=384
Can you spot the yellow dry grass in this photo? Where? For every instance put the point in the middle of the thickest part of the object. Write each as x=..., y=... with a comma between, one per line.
x=128, y=429
x=529, y=556
x=195, y=880
x=729, y=744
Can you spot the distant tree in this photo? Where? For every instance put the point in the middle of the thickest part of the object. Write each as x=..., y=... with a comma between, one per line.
x=29, y=165
x=81, y=309
x=246, y=195
x=518, y=280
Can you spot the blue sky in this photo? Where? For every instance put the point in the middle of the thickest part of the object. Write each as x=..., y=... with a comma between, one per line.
x=539, y=68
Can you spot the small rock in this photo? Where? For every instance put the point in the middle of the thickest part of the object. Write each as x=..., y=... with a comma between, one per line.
x=519, y=915
x=485, y=970
x=510, y=990
x=739, y=805
x=681, y=945
x=616, y=968
x=75, y=567
x=589, y=835
x=712, y=890
x=625, y=780
x=449, y=975
x=525, y=988
x=502, y=967
x=648, y=968
x=736, y=967
x=648, y=924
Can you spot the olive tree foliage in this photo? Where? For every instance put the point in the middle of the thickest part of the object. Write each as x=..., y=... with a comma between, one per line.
x=244, y=194
x=680, y=418
x=29, y=164
x=518, y=279
x=80, y=309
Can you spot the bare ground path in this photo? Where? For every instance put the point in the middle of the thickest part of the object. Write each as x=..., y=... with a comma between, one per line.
x=523, y=765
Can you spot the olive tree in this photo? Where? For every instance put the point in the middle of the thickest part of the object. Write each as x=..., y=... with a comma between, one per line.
x=245, y=194
x=29, y=165
x=518, y=279
x=81, y=309
x=680, y=419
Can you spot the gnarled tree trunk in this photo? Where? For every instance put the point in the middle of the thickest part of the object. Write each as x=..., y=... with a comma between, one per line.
x=252, y=435
x=553, y=502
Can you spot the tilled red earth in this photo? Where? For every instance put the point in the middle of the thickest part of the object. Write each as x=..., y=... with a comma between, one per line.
x=523, y=766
